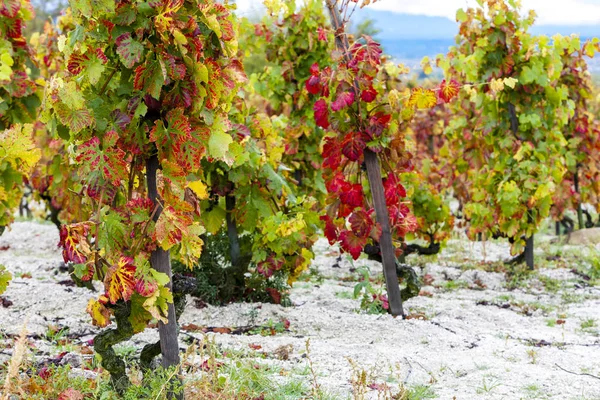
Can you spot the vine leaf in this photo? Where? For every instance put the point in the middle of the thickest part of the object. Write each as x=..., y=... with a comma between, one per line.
x=158, y=304
x=99, y=312
x=353, y=145
x=150, y=78
x=130, y=51
x=10, y=8
x=73, y=240
x=343, y=100
x=352, y=243
x=120, y=280
x=75, y=120
x=448, y=90
x=108, y=162
x=218, y=144
x=5, y=277
x=321, y=113
x=422, y=98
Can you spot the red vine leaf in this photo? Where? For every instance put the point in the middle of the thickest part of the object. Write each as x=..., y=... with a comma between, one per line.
x=343, y=100
x=353, y=145
x=10, y=8
x=368, y=95
x=352, y=243
x=321, y=113
x=352, y=195
x=361, y=223
x=378, y=123
x=448, y=90
x=332, y=154
x=330, y=231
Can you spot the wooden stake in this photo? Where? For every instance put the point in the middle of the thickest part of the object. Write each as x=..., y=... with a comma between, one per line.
x=388, y=253
x=160, y=261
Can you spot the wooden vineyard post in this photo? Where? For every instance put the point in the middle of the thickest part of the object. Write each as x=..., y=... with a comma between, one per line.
x=160, y=261
x=376, y=184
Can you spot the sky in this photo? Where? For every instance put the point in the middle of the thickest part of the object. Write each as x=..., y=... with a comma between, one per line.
x=550, y=12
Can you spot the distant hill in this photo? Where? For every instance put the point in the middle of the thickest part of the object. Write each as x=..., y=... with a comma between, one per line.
x=395, y=26
x=409, y=38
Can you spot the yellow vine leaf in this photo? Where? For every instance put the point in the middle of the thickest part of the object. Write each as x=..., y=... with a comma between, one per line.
x=199, y=189
x=120, y=280
x=99, y=313
x=422, y=98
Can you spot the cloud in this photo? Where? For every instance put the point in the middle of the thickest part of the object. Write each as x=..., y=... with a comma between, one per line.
x=550, y=12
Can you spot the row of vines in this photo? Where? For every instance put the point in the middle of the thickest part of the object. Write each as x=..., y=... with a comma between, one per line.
x=178, y=146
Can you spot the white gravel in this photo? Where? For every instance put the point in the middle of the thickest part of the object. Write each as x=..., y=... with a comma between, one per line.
x=462, y=350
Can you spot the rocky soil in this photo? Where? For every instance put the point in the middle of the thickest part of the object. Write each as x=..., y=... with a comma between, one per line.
x=472, y=334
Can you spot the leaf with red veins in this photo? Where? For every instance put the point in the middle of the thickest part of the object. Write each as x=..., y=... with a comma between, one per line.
x=146, y=286
x=130, y=51
x=109, y=162
x=448, y=90
x=182, y=94
x=269, y=266
x=14, y=28
x=73, y=240
x=149, y=78
x=140, y=209
x=332, y=153
x=101, y=56
x=361, y=223
x=343, y=100
x=176, y=141
x=76, y=120
x=393, y=189
x=330, y=231
x=368, y=95
x=407, y=225
x=378, y=123
x=171, y=227
x=352, y=244
x=352, y=195
x=20, y=85
x=10, y=8
x=321, y=113
x=119, y=282
x=353, y=145
x=402, y=220
x=76, y=63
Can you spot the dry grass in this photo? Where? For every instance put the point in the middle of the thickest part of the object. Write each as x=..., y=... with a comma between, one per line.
x=12, y=380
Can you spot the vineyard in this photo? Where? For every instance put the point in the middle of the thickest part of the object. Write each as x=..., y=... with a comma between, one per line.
x=199, y=205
